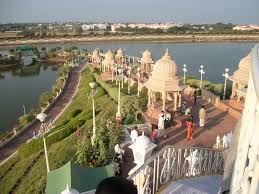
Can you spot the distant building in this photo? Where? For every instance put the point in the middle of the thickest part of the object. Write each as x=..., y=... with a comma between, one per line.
x=246, y=27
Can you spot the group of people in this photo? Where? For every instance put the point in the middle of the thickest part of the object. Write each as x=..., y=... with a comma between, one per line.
x=190, y=123
x=163, y=122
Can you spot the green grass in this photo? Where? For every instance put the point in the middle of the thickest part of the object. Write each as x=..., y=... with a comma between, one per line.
x=27, y=174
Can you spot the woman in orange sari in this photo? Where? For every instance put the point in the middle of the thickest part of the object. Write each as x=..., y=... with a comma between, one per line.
x=190, y=130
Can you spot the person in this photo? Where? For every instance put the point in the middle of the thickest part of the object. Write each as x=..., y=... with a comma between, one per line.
x=134, y=134
x=116, y=185
x=183, y=107
x=188, y=111
x=167, y=119
x=161, y=124
x=119, y=151
x=190, y=130
x=153, y=135
x=195, y=97
x=189, y=118
x=202, y=115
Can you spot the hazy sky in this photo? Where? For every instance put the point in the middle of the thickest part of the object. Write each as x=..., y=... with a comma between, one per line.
x=186, y=11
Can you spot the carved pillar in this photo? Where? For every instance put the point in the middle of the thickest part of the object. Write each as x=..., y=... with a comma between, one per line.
x=175, y=101
x=180, y=99
x=163, y=98
x=149, y=97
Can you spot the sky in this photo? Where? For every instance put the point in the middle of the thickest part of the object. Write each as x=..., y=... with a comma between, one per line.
x=184, y=11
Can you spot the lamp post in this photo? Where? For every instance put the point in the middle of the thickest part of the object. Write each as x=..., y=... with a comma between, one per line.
x=118, y=114
x=122, y=76
x=138, y=74
x=129, y=81
x=184, y=72
x=116, y=75
x=225, y=75
x=43, y=127
x=92, y=95
x=201, y=70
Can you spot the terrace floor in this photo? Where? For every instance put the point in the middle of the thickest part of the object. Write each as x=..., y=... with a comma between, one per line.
x=217, y=123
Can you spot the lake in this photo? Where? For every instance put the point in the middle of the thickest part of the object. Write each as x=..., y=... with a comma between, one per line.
x=22, y=86
x=26, y=88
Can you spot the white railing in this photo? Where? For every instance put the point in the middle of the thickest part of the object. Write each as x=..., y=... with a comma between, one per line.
x=173, y=163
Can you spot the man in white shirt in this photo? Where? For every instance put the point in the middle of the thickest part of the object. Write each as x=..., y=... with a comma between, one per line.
x=134, y=134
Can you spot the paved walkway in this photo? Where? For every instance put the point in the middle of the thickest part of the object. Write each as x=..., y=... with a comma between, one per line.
x=217, y=123
x=52, y=113
x=195, y=185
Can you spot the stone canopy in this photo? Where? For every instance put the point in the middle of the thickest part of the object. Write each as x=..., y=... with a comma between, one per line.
x=241, y=75
x=146, y=57
x=119, y=54
x=95, y=54
x=164, y=75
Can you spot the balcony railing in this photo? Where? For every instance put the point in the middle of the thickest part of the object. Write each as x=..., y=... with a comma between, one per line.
x=172, y=163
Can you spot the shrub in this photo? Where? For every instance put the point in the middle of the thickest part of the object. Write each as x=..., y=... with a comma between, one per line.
x=107, y=136
x=193, y=83
x=25, y=119
x=76, y=112
x=45, y=98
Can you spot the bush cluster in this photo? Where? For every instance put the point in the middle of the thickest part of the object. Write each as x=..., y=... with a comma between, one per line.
x=217, y=89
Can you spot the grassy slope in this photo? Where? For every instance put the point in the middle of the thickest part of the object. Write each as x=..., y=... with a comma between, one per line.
x=28, y=175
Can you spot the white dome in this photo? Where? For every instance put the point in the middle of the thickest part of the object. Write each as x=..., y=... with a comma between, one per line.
x=165, y=67
x=146, y=57
x=142, y=142
x=241, y=75
x=164, y=75
x=120, y=53
x=109, y=56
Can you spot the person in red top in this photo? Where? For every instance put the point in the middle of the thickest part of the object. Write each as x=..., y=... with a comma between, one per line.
x=154, y=135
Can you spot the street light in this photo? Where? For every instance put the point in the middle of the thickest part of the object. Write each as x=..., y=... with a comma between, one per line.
x=184, y=72
x=43, y=127
x=118, y=114
x=225, y=75
x=129, y=73
x=202, y=72
x=122, y=76
x=138, y=74
x=92, y=95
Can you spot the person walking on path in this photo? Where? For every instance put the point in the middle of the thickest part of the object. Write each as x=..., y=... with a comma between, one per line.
x=190, y=130
x=202, y=116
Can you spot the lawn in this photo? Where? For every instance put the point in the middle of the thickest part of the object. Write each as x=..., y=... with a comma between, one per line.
x=26, y=171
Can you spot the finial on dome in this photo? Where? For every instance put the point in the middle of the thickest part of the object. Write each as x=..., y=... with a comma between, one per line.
x=167, y=55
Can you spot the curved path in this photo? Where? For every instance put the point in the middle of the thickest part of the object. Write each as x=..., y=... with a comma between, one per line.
x=52, y=112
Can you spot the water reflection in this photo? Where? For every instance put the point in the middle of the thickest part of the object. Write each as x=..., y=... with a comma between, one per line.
x=26, y=71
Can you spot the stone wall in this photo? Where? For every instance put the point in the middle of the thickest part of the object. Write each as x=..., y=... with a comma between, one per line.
x=245, y=177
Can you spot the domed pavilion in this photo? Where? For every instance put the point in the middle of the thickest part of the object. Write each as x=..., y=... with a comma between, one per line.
x=108, y=61
x=108, y=66
x=146, y=62
x=120, y=56
x=240, y=78
x=164, y=80
x=96, y=58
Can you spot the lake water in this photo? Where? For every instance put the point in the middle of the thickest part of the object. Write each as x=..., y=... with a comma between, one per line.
x=22, y=86
x=17, y=90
